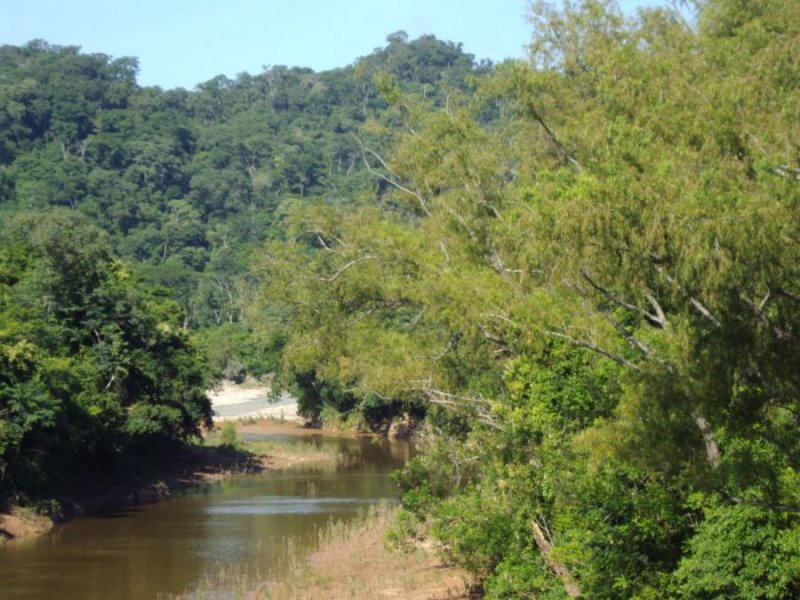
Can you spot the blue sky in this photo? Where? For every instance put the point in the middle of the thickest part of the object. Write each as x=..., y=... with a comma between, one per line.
x=180, y=43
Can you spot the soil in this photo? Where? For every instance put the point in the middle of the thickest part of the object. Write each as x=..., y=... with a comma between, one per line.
x=19, y=524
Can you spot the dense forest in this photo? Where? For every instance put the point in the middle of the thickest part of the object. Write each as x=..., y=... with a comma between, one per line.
x=579, y=275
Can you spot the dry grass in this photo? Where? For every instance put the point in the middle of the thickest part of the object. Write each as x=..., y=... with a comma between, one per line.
x=281, y=455
x=287, y=427
x=354, y=563
x=275, y=454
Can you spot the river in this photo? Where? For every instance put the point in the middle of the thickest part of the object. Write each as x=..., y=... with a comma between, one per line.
x=245, y=529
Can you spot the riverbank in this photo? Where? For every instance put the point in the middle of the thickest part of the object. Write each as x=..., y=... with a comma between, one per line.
x=341, y=559
x=251, y=400
x=189, y=467
x=22, y=523
x=351, y=561
x=354, y=562
x=294, y=428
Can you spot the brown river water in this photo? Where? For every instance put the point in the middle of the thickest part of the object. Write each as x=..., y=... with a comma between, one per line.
x=246, y=528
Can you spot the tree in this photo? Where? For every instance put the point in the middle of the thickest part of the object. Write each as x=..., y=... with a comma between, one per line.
x=95, y=368
x=635, y=203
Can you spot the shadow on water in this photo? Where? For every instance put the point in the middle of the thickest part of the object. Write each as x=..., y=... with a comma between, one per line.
x=212, y=460
x=120, y=513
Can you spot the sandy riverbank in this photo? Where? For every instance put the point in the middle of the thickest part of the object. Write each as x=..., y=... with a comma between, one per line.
x=250, y=400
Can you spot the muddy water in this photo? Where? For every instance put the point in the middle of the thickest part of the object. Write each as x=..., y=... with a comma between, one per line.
x=244, y=529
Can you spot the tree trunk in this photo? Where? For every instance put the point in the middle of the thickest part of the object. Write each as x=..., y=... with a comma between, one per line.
x=560, y=570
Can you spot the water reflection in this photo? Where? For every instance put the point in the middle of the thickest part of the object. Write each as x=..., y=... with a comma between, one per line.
x=248, y=524
x=287, y=505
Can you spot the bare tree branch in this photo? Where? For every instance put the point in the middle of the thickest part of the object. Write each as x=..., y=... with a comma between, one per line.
x=758, y=311
x=633, y=342
x=445, y=252
x=788, y=294
x=553, y=138
x=390, y=181
x=497, y=264
x=593, y=347
x=480, y=406
x=704, y=311
x=493, y=338
x=559, y=569
x=353, y=262
x=712, y=448
x=787, y=172
x=416, y=319
x=658, y=319
x=500, y=318
x=698, y=306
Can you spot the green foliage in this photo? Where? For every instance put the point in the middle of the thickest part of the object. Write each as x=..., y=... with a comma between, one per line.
x=590, y=267
x=742, y=552
x=187, y=184
x=94, y=367
x=582, y=268
x=234, y=351
x=228, y=435
x=475, y=531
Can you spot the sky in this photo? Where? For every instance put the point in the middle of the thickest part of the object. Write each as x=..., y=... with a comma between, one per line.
x=180, y=43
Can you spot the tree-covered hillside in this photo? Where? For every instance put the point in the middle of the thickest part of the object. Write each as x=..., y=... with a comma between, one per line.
x=186, y=183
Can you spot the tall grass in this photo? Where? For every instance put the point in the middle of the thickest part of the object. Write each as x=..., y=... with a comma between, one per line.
x=355, y=563
x=348, y=559
x=290, y=559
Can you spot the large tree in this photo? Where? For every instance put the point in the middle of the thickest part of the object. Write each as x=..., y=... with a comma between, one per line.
x=606, y=275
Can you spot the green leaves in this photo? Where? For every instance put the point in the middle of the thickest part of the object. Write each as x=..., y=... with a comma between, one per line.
x=92, y=365
x=744, y=552
x=603, y=273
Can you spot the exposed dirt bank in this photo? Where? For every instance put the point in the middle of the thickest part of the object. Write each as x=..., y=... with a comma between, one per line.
x=22, y=523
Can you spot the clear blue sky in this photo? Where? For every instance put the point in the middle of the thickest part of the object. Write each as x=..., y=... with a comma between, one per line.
x=180, y=43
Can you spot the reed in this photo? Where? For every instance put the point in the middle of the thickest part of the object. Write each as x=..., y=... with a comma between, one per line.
x=354, y=562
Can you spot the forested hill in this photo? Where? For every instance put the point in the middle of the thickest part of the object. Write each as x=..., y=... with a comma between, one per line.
x=187, y=182
x=127, y=219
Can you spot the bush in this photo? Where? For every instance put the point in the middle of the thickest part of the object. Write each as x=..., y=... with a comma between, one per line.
x=228, y=436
